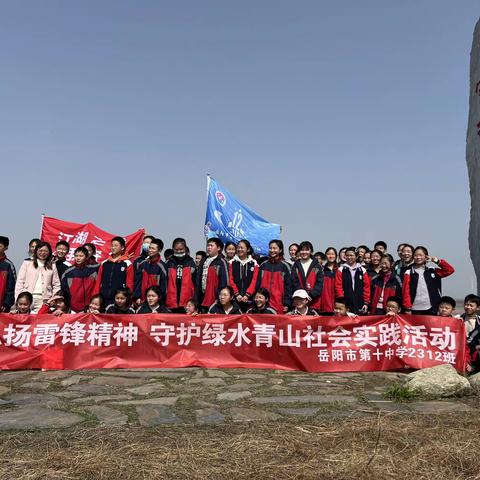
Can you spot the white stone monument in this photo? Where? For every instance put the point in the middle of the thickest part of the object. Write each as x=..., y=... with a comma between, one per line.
x=473, y=153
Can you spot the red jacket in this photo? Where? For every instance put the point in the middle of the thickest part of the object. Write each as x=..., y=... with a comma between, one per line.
x=243, y=276
x=78, y=284
x=217, y=278
x=327, y=300
x=356, y=295
x=312, y=282
x=150, y=274
x=432, y=277
x=176, y=299
x=276, y=278
x=393, y=288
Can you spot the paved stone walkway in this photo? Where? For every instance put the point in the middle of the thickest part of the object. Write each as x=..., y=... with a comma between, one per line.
x=150, y=397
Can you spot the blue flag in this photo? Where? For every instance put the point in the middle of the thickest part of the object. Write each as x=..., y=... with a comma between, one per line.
x=231, y=220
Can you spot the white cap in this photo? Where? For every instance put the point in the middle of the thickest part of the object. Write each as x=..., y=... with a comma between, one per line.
x=301, y=294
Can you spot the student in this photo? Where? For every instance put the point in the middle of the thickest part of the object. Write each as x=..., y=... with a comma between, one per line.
x=96, y=305
x=192, y=308
x=385, y=285
x=92, y=252
x=122, y=304
x=472, y=329
x=341, y=256
x=230, y=251
x=293, y=251
x=367, y=260
x=373, y=269
x=422, y=285
x=78, y=282
x=261, y=303
x=153, y=301
x=58, y=305
x=307, y=274
x=8, y=277
x=327, y=299
x=199, y=256
x=406, y=260
x=301, y=299
x=212, y=274
x=147, y=239
x=168, y=254
x=275, y=276
x=320, y=257
x=470, y=316
x=38, y=277
x=353, y=283
x=23, y=305
x=59, y=259
x=116, y=272
x=243, y=273
x=446, y=307
x=225, y=303
x=341, y=308
x=152, y=271
x=32, y=244
x=394, y=306
x=361, y=251
x=181, y=277
x=381, y=246
x=399, y=250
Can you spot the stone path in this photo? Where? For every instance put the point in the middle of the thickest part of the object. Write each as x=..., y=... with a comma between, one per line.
x=115, y=398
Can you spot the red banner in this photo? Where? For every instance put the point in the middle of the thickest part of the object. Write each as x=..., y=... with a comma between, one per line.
x=77, y=234
x=314, y=344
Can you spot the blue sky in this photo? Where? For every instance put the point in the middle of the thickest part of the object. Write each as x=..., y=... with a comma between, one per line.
x=345, y=122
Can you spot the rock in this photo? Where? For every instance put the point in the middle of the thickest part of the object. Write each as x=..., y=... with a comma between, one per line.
x=146, y=389
x=238, y=387
x=252, y=415
x=209, y=416
x=35, y=385
x=217, y=374
x=473, y=155
x=74, y=380
x=251, y=376
x=304, y=399
x=52, y=375
x=107, y=416
x=37, y=417
x=33, y=399
x=208, y=382
x=68, y=395
x=301, y=412
x=6, y=377
x=116, y=381
x=102, y=398
x=133, y=373
x=389, y=406
x=150, y=416
x=233, y=396
x=90, y=389
x=150, y=401
x=440, y=381
x=475, y=381
x=439, y=407
x=4, y=390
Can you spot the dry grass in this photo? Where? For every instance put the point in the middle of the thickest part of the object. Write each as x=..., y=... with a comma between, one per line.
x=433, y=447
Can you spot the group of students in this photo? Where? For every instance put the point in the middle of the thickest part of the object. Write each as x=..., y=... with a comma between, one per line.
x=231, y=279
x=224, y=279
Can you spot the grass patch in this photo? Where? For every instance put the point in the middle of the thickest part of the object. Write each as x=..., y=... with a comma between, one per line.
x=437, y=447
x=399, y=392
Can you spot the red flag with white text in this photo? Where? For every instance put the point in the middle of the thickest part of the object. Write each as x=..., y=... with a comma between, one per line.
x=78, y=234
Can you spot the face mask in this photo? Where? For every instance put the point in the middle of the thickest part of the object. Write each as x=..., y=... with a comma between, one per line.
x=145, y=247
x=179, y=255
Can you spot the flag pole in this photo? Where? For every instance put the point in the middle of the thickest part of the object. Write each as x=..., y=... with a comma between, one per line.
x=41, y=225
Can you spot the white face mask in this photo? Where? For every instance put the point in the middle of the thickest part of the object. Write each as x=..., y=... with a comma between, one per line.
x=179, y=255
